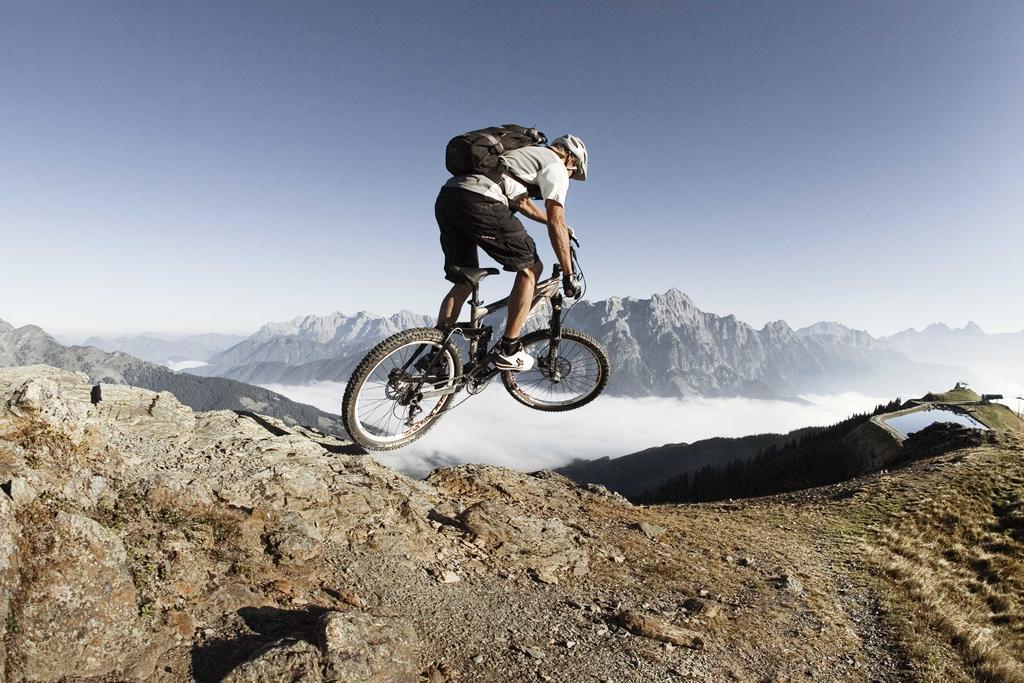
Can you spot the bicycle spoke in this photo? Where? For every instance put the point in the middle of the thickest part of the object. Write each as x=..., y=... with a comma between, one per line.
x=383, y=405
x=578, y=368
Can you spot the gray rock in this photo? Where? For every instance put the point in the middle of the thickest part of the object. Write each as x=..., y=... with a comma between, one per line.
x=939, y=343
x=20, y=491
x=359, y=646
x=282, y=661
x=296, y=542
x=78, y=613
x=790, y=583
x=701, y=608
x=101, y=494
x=667, y=346
x=660, y=629
x=546, y=546
x=448, y=576
x=651, y=531
x=532, y=650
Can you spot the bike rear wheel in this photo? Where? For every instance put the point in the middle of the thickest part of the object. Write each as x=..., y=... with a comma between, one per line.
x=577, y=376
x=383, y=407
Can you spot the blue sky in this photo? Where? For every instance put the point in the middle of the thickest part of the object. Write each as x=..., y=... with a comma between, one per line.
x=195, y=166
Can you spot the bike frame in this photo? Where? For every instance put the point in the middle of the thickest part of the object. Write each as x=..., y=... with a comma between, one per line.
x=478, y=370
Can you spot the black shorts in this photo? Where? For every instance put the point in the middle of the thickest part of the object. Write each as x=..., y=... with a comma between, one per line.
x=469, y=220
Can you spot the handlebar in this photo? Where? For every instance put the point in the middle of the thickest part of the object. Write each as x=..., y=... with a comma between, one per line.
x=572, y=236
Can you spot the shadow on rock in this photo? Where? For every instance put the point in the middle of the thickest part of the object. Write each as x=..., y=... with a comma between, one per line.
x=214, y=659
x=331, y=444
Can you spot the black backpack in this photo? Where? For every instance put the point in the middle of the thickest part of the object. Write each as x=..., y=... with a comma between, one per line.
x=479, y=151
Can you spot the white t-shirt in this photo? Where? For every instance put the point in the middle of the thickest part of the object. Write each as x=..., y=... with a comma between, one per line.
x=534, y=165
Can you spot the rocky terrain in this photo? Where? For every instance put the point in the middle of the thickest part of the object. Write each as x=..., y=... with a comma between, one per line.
x=662, y=346
x=140, y=540
x=31, y=344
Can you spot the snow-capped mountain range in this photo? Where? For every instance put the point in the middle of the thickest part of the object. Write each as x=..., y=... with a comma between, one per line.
x=661, y=346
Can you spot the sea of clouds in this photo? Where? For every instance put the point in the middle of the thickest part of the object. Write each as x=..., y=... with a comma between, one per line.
x=493, y=428
x=180, y=365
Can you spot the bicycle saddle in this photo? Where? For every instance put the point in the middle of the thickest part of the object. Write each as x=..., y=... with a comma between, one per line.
x=473, y=276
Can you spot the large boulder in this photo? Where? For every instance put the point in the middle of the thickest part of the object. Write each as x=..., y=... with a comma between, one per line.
x=544, y=545
x=359, y=646
x=283, y=661
x=351, y=646
x=77, y=613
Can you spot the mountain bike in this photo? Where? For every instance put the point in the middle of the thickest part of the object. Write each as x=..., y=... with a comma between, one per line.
x=407, y=382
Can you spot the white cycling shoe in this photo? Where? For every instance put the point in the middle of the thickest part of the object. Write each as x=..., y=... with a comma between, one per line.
x=516, y=362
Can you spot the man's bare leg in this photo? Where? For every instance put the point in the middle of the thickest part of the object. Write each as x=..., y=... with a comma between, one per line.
x=452, y=304
x=520, y=299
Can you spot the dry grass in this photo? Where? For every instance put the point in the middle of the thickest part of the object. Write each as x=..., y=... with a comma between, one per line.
x=955, y=559
x=43, y=445
x=952, y=396
x=997, y=416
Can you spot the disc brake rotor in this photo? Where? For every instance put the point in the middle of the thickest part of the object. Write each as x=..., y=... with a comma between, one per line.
x=562, y=368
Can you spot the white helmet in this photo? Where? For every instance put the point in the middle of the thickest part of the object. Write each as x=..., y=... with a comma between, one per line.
x=578, y=150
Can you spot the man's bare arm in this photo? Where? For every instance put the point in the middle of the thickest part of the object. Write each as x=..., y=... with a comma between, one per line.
x=558, y=232
x=530, y=210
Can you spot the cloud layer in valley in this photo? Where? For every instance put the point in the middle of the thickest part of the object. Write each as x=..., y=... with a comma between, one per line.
x=492, y=428
x=181, y=365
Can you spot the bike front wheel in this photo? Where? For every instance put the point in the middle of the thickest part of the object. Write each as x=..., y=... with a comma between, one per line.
x=571, y=377
x=391, y=398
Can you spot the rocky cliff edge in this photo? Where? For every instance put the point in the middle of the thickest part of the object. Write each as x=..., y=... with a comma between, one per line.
x=140, y=540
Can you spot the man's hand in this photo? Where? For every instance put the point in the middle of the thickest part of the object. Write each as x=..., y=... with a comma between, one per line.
x=571, y=286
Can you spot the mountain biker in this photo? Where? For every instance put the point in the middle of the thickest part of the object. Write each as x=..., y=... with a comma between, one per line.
x=477, y=211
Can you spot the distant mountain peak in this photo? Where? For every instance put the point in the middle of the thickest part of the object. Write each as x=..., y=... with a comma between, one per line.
x=661, y=345
x=31, y=331
x=825, y=327
x=313, y=338
x=940, y=328
x=672, y=307
x=675, y=296
x=778, y=327
x=5, y=326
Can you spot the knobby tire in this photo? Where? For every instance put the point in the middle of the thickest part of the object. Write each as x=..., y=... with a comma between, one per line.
x=375, y=358
x=593, y=351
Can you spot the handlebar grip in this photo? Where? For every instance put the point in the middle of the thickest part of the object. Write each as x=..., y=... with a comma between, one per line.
x=572, y=236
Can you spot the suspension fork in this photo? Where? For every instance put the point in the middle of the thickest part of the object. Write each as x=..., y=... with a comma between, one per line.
x=556, y=335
